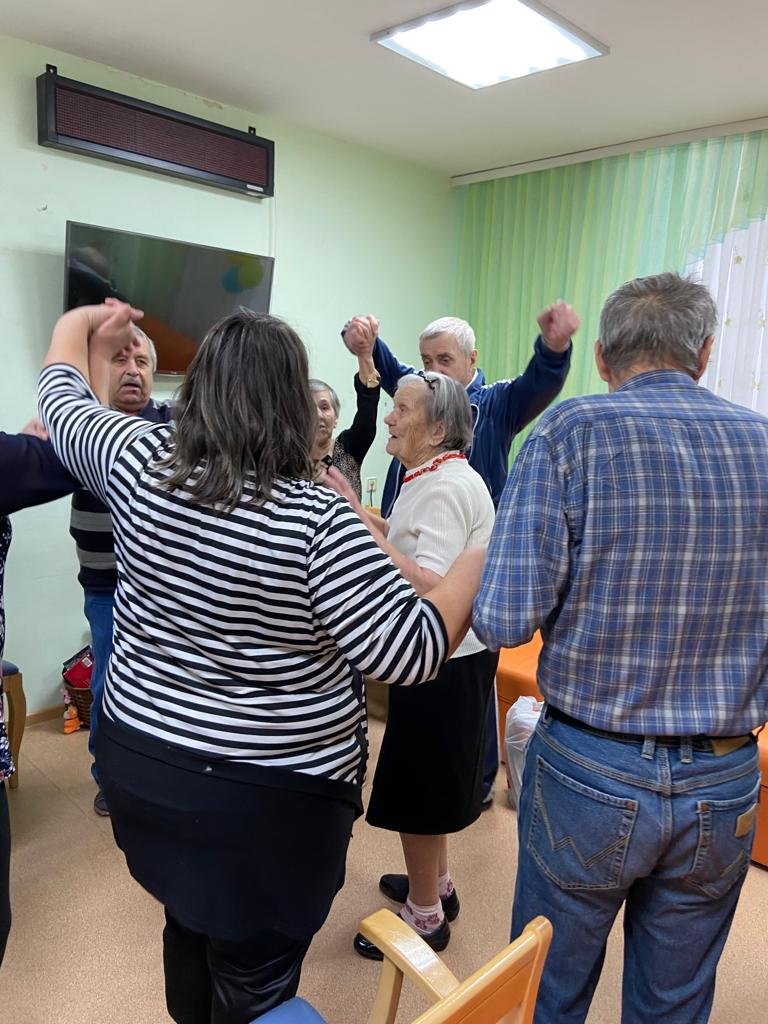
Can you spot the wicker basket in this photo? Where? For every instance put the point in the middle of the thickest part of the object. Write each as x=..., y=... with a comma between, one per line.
x=82, y=698
x=78, y=669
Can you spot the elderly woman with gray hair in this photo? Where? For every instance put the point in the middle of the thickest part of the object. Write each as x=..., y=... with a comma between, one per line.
x=347, y=451
x=435, y=735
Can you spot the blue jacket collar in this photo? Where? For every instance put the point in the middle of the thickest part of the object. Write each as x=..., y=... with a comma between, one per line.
x=475, y=386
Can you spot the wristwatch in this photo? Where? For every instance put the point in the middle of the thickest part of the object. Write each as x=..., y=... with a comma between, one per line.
x=372, y=380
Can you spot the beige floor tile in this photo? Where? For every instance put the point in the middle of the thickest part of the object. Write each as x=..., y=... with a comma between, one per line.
x=85, y=945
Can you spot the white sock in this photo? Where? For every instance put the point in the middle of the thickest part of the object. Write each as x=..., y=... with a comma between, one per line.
x=445, y=885
x=422, y=919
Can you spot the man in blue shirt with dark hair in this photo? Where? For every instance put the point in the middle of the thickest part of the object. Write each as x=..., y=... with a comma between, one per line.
x=633, y=531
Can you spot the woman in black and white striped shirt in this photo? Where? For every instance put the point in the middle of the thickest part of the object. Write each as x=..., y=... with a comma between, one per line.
x=249, y=601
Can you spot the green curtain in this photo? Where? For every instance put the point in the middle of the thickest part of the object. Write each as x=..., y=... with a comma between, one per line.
x=577, y=232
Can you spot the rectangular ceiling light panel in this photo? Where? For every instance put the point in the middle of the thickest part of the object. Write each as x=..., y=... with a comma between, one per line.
x=484, y=42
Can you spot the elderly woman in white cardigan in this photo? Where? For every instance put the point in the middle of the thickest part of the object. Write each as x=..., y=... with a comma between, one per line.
x=428, y=779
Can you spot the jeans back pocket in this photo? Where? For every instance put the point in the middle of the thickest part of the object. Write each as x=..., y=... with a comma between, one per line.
x=726, y=832
x=578, y=835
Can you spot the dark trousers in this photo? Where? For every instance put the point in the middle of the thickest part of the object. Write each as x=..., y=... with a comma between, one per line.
x=99, y=610
x=491, y=752
x=5, y=869
x=210, y=981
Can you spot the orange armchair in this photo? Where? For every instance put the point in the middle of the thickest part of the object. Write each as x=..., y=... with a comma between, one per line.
x=516, y=677
x=760, y=846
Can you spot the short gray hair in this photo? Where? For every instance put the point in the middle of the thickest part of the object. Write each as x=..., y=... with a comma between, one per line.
x=319, y=385
x=150, y=347
x=460, y=329
x=446, y=402
x=664, y=319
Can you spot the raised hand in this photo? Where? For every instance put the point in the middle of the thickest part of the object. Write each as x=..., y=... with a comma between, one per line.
x=557, y=324
x=339, y=483
x=360, y=335
x=111, y=327
x=107, y=327
x=373, y=323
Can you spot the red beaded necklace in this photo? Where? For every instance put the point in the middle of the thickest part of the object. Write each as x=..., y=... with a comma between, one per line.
x=434, y=464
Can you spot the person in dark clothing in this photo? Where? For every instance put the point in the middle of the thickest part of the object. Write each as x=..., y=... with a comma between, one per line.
x=347, y=451
x=30, y=474
x=127, y=390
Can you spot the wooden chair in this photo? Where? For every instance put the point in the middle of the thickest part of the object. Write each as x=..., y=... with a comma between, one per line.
x=502, y=992
x=13, y=687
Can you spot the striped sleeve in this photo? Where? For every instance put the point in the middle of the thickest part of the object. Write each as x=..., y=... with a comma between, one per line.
x=88, y=438
x=373, y=615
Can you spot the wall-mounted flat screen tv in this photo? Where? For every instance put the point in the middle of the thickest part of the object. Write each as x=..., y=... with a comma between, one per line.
x=183, y=288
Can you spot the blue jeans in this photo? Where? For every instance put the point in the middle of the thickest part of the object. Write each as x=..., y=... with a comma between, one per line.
x=99, y=610
x=664, y=829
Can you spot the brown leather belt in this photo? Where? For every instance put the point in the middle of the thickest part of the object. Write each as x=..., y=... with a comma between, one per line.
x=718, y=745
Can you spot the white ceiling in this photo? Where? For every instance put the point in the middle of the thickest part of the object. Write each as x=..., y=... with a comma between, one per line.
x=674, y=65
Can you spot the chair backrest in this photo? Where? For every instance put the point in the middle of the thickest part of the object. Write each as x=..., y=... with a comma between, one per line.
x=503, y=991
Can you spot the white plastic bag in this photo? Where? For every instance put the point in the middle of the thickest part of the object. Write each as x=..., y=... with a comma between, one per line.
x=521, y=720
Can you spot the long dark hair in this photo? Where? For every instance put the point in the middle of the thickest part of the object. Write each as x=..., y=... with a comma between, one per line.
x=244, y=414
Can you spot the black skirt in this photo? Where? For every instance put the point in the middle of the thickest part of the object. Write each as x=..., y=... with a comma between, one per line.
x=429, y=775
x=230, y=849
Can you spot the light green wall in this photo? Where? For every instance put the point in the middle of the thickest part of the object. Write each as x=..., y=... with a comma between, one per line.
x=351, y=230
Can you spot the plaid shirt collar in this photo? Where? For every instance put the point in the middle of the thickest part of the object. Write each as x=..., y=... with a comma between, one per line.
x=658, y=378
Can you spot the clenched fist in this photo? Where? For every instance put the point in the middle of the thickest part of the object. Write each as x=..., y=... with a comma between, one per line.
x=557, y=323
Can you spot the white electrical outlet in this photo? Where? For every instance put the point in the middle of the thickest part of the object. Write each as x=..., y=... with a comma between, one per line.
x=370, y=484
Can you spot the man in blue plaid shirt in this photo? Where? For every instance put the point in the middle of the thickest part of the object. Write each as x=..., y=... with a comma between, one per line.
x=633, y=531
